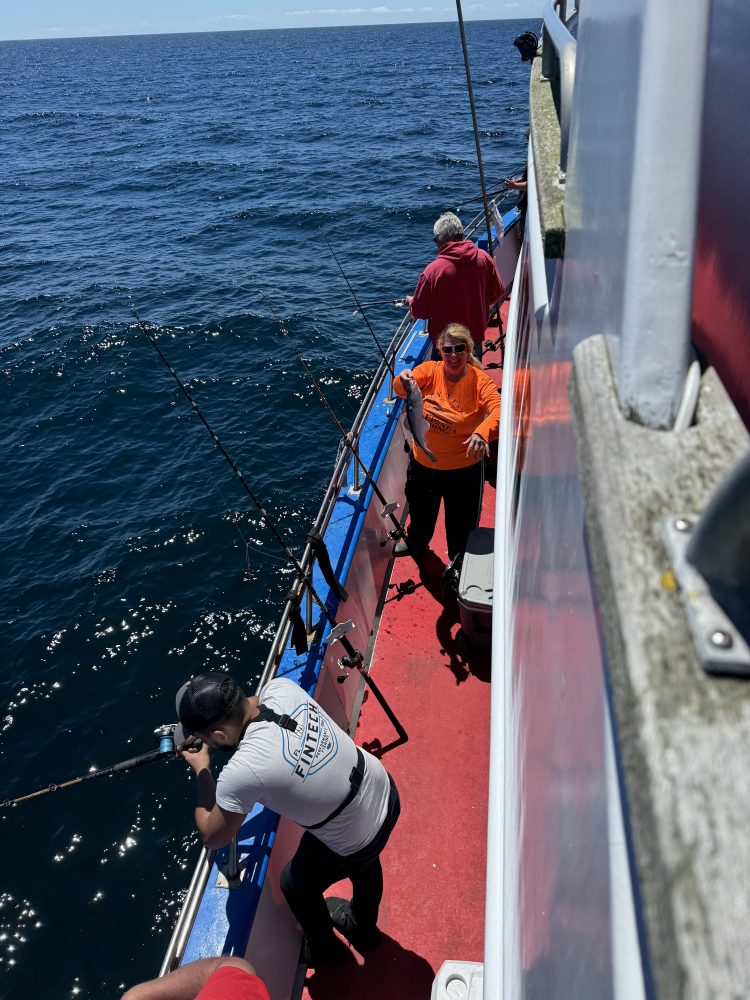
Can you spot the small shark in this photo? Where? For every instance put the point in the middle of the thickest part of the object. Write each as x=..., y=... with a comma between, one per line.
x=415, y=417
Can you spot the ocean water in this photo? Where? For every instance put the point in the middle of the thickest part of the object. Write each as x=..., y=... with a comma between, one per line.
x=185, y=176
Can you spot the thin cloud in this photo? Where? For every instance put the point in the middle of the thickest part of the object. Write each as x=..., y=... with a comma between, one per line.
x=350, y=11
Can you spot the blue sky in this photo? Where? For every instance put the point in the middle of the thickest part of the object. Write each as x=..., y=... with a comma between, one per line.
x=75, y=18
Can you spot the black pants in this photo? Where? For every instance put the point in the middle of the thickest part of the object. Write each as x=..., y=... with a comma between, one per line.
x=461, y=493
x=315, y=867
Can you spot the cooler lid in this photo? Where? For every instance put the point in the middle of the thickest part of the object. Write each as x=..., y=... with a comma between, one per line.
x=477, y=573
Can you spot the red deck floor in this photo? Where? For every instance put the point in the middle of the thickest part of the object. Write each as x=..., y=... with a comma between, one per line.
x=434, y=864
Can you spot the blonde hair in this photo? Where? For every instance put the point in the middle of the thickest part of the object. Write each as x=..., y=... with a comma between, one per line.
x=457, y=331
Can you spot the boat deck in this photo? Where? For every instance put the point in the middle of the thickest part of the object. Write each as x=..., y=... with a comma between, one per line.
x=434, y=864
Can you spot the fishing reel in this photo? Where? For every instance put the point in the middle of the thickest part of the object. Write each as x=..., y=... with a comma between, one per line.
x=165, y=734
x=352, y=659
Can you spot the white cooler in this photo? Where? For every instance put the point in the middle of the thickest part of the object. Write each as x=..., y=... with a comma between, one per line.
x=475, y=587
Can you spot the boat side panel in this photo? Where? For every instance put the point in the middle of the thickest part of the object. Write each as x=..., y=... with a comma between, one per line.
x=560, y=920
x=274, y=942
x=366, y=573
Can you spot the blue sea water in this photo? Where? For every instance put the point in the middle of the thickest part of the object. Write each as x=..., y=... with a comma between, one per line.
x=186, y=176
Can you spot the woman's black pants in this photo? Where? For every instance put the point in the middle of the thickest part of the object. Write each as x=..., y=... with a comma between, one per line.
x=315, y=867
x=461, y=493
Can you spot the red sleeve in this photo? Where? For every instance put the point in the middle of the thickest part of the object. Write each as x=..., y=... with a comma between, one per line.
x=421, y=303
x=229, y=981
x=496, y=289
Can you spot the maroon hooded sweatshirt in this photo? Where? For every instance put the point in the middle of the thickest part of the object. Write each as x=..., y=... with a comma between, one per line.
x=459, y=286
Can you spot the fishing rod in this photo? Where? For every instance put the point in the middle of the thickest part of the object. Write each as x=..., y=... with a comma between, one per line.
x=166, y=751
x=388, y=508
x=265, y=516
x=470, y=90
x=345, y=305
x=490, y=194
x=353, y=658
x=506, y=191
x=357, y=304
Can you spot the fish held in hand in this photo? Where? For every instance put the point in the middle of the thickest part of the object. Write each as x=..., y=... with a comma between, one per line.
x=415, y=417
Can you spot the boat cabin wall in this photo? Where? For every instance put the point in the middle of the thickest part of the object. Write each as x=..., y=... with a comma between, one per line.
x=721, y=304
x=631, y=193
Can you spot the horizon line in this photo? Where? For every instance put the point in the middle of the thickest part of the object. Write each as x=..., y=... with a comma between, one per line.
x=235, y=31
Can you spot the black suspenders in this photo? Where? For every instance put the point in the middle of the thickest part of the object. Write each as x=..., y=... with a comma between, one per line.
x=355, y=780
x=266, y=714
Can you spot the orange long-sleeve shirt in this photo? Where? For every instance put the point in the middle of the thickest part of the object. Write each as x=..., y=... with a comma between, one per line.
x=454, y=410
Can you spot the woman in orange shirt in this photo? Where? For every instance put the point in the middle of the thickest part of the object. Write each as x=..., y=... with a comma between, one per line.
x=462, y=407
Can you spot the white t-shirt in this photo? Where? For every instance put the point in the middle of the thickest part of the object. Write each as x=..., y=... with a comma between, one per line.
x=304, y=775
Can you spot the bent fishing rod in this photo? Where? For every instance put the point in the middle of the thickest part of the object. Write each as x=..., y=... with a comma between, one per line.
x=357, y=304
x=353, y=658
x=388, y=508
x=166, y=751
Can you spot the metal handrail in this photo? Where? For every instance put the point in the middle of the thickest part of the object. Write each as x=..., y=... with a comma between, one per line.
x=537, y=264
x=559, y=65
x=188, y=912
x=478, y=221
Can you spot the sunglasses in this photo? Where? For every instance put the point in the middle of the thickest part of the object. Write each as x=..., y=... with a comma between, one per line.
x=455, y=349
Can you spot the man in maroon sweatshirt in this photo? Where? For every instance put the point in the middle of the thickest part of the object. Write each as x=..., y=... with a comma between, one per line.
x=459, y=286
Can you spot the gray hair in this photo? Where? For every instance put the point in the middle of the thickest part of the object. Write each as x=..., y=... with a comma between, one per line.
x=448, y=227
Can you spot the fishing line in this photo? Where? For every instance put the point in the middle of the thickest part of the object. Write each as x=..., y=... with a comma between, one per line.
x=508, y=194
x=249, y=543
x=352, y=403
x=357, y=303
x=388, y=508
x=345, y=305
x=303, y=315
x=353, y=658
x=265, y=516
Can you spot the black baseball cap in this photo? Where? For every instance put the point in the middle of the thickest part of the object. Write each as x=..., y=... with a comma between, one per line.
x=202, y=701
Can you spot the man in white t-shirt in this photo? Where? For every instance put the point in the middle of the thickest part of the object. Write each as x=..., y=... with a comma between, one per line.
x=292, y=757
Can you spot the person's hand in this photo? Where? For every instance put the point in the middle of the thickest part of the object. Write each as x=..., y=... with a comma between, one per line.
x=408, y=300
x=515, y=184
x=406, y=376
x=199, y=758
x=476, y=446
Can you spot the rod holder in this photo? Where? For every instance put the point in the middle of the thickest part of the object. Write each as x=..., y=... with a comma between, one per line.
x=308, y=611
